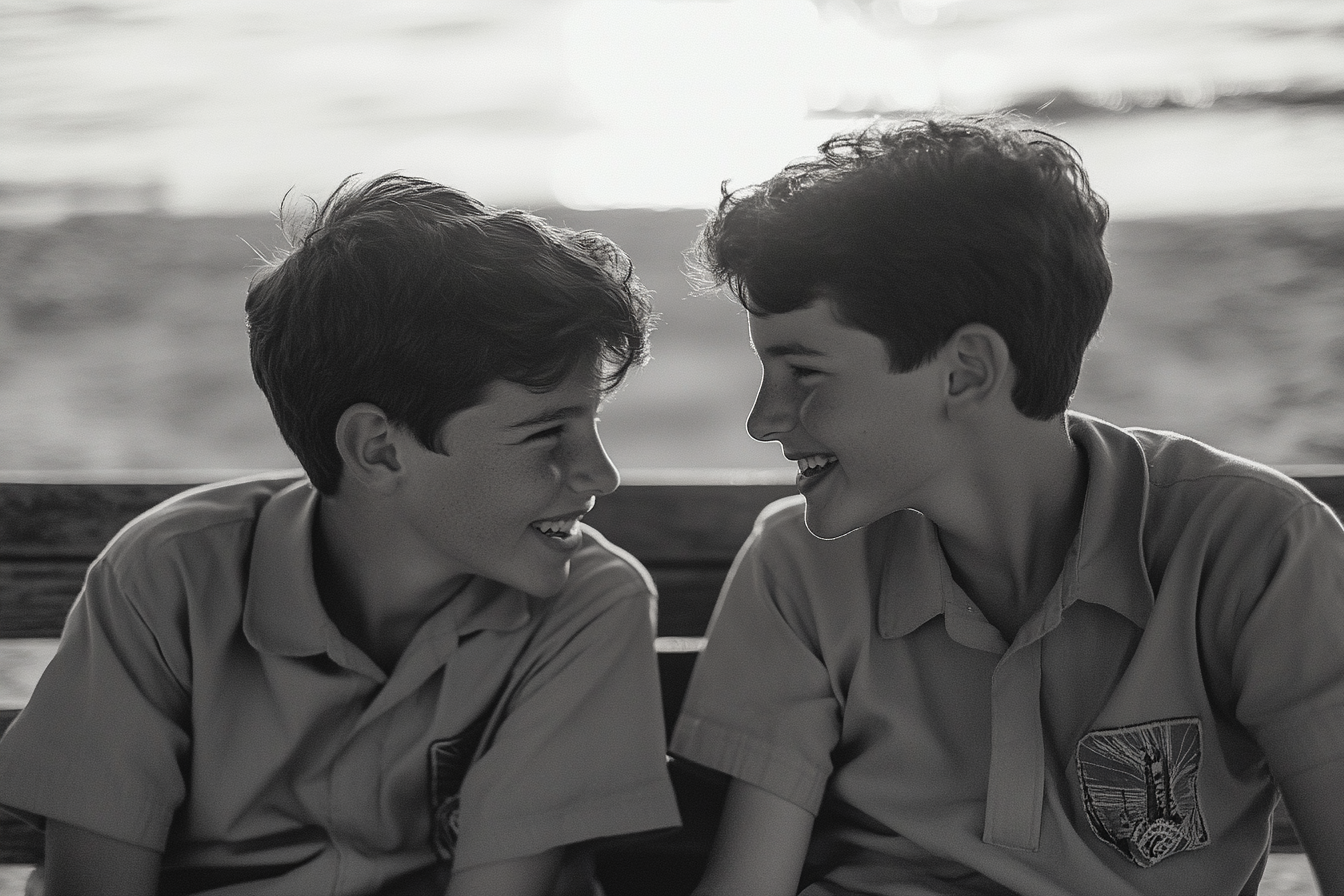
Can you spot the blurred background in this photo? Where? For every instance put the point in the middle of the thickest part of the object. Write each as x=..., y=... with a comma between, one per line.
x=144, y=147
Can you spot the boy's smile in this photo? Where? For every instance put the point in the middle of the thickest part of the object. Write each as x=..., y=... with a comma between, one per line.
x=865, y=438
x=504, y=494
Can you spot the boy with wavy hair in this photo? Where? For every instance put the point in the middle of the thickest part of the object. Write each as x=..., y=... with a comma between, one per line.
x=995, y=646
x=414, y=666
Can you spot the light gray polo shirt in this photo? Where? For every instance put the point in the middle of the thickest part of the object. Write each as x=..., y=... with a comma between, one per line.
x=203, y=703
x=1123, y=743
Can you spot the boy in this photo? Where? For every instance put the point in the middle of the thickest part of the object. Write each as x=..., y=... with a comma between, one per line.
x=415, y=660
x=996, y=646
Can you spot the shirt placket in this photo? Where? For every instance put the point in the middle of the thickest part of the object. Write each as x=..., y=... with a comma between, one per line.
x=1016, y=791
x=1015, y=800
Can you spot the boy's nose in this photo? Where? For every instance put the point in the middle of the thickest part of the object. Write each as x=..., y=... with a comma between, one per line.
x=769, y=418
x=595, y=472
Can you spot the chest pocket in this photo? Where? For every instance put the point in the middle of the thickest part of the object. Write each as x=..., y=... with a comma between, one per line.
x=1140, y=788
x=448, y=762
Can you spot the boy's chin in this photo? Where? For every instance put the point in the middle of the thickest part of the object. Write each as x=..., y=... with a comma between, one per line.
x=830, y=522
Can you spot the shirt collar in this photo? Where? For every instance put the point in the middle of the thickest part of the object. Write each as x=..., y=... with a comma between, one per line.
x=284, y=615
x=909, y=572
x=1111, y=570
x=915, y=584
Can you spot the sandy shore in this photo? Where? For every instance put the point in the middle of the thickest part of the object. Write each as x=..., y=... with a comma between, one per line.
x=122, y=346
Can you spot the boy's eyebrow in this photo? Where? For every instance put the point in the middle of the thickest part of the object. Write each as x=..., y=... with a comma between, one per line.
x=550, y=416
x=791, y=348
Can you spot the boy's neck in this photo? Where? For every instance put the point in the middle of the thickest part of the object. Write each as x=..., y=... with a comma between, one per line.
x=1007, y=539
x=374, y=599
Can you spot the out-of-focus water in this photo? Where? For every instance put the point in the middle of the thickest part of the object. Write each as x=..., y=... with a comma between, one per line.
x=210, y=106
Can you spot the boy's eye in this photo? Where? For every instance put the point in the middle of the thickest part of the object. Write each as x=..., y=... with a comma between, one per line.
x=801, y=372
x=545, y=434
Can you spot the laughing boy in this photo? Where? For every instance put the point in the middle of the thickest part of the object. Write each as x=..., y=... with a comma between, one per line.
x=413, y=662
x=996, y=646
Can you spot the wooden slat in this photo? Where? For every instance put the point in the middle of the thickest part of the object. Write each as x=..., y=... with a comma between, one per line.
x=682, y=524
x=686, y=598
x=1328, y=486
x=20, y=843
x=35, y=595
x=71, y=520
x=661, y=524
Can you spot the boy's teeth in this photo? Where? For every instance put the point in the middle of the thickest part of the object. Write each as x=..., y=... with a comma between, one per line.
x=556, y=527
x=815, y=463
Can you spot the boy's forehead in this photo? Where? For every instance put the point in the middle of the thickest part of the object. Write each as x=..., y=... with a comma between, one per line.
x=807, y=330
x=514, y=404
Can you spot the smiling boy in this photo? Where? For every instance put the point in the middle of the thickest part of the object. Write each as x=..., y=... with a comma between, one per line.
x=413, y=667
x=996, y=646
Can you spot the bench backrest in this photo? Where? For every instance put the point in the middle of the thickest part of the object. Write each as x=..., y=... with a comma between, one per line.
x=685, y=529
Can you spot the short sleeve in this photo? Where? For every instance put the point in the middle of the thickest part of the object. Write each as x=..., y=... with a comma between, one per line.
x=101, y=742
x=1287, y=658
x=581, y=751
x=760, y=706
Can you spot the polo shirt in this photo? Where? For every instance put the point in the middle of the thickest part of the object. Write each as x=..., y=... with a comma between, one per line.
x=203, y=703
x=1125, y=742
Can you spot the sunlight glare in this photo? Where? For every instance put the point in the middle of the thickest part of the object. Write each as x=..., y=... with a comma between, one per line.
x=679, y=95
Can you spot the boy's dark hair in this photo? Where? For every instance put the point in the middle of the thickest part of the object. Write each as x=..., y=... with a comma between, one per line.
x=415, y=297
x=917, y=229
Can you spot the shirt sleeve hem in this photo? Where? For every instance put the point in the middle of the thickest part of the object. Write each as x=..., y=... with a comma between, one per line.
x=1305, y=739
x=766, y=765
x=76, y=800
x=650, y=807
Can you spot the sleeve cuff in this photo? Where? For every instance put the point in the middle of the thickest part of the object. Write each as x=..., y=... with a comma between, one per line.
x=93, y=801
x=769, y=766
x=648, y=808
x=1303, y=738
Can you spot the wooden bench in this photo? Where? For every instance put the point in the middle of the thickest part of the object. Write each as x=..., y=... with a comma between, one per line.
x=685, y=527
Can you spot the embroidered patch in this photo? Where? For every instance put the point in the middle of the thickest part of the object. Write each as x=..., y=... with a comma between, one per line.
x=449, y=760
x=1140, y=788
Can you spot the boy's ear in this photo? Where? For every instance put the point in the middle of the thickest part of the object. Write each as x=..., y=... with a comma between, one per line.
x=978, y=365
x=367, y=443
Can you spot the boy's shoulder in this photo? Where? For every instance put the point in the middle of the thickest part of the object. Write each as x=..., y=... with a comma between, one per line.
x=1186, y=499
x=783, y=520
x=216, y=512
x=602, y=573
x=605, y=582
x=1186, y=472
x=599, y=553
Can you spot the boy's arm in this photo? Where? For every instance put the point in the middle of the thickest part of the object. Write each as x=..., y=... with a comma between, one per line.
x=1313, y=799
x=527, y=876
x=760, y=847
x=82, y=863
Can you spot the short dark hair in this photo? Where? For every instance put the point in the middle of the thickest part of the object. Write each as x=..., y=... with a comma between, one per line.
x=415, y=297
x=919, y=228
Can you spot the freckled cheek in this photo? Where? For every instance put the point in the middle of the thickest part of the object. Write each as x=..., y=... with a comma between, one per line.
x=817, y=415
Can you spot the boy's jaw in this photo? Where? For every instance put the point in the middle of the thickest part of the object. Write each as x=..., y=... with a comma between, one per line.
x=814, y=470
x=829, y=508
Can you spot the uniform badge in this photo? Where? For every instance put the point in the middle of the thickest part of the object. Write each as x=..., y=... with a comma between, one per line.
x=1141, y=788
x=449, y=760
